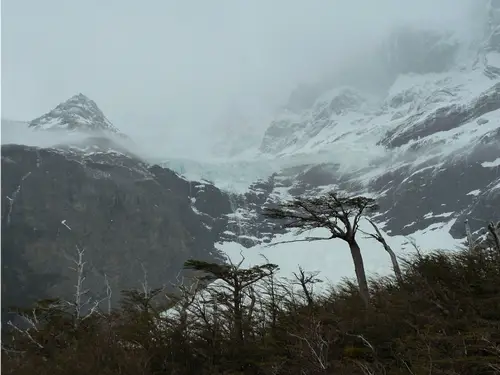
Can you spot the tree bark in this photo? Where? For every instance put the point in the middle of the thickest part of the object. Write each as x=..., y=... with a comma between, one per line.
x=238, y=315
x=360, y=271
x=395, y=265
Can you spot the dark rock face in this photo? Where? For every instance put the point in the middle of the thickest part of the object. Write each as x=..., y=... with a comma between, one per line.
x=438, y=192
x=210, y=205
x=128, y=216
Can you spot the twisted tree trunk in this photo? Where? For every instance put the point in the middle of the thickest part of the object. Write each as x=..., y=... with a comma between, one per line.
x=360, y=271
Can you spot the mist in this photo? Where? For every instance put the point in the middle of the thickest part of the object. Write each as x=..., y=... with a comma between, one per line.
x=170, y=74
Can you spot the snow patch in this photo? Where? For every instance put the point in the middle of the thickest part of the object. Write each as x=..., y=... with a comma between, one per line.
x=474, y=193
x=332, y=257
x=491, y=164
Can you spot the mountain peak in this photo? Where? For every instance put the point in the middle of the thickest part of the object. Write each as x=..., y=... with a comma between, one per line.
x=78, y=113
x=80, y=96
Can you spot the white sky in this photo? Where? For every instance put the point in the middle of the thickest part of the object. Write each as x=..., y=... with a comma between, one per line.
x=169, y=68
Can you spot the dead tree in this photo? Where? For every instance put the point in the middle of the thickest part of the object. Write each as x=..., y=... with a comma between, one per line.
x=468, y=232
x=83, y=304
x=378, y=237
x=306, y=282
x=273, y=296
x=338, y=213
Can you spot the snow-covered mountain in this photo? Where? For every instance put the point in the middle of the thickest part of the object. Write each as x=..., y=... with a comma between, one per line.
x=427, y=148
x=76, y=124
x=78, y=113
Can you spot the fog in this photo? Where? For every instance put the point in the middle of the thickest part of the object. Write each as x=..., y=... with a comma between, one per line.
x=171, y=73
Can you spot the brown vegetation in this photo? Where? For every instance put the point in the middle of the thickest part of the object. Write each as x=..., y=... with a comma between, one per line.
x=440, y=316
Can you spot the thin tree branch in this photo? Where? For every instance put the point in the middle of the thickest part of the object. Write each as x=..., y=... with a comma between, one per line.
x=307, y=239
x=378, y=237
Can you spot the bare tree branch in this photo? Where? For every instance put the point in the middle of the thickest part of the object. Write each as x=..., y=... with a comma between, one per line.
x=318, y=346
x=306, y=281
x=26, y=332
x=307, y=239
x=79, y=292
x=82, y=301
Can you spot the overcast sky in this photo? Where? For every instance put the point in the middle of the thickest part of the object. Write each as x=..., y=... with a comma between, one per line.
x=169, y=68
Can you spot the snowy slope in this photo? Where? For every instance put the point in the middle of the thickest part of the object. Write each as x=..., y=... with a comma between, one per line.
x=418, y=111
x=332, y=258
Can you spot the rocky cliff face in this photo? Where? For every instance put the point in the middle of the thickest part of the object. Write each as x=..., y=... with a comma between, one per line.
x=128, y=216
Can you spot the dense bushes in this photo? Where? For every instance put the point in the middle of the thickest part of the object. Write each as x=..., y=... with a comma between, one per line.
x=442, y=317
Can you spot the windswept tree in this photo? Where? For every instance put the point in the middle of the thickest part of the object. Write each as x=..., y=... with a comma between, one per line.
x=306, y=281
x=237, y=282
x=339, y=214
